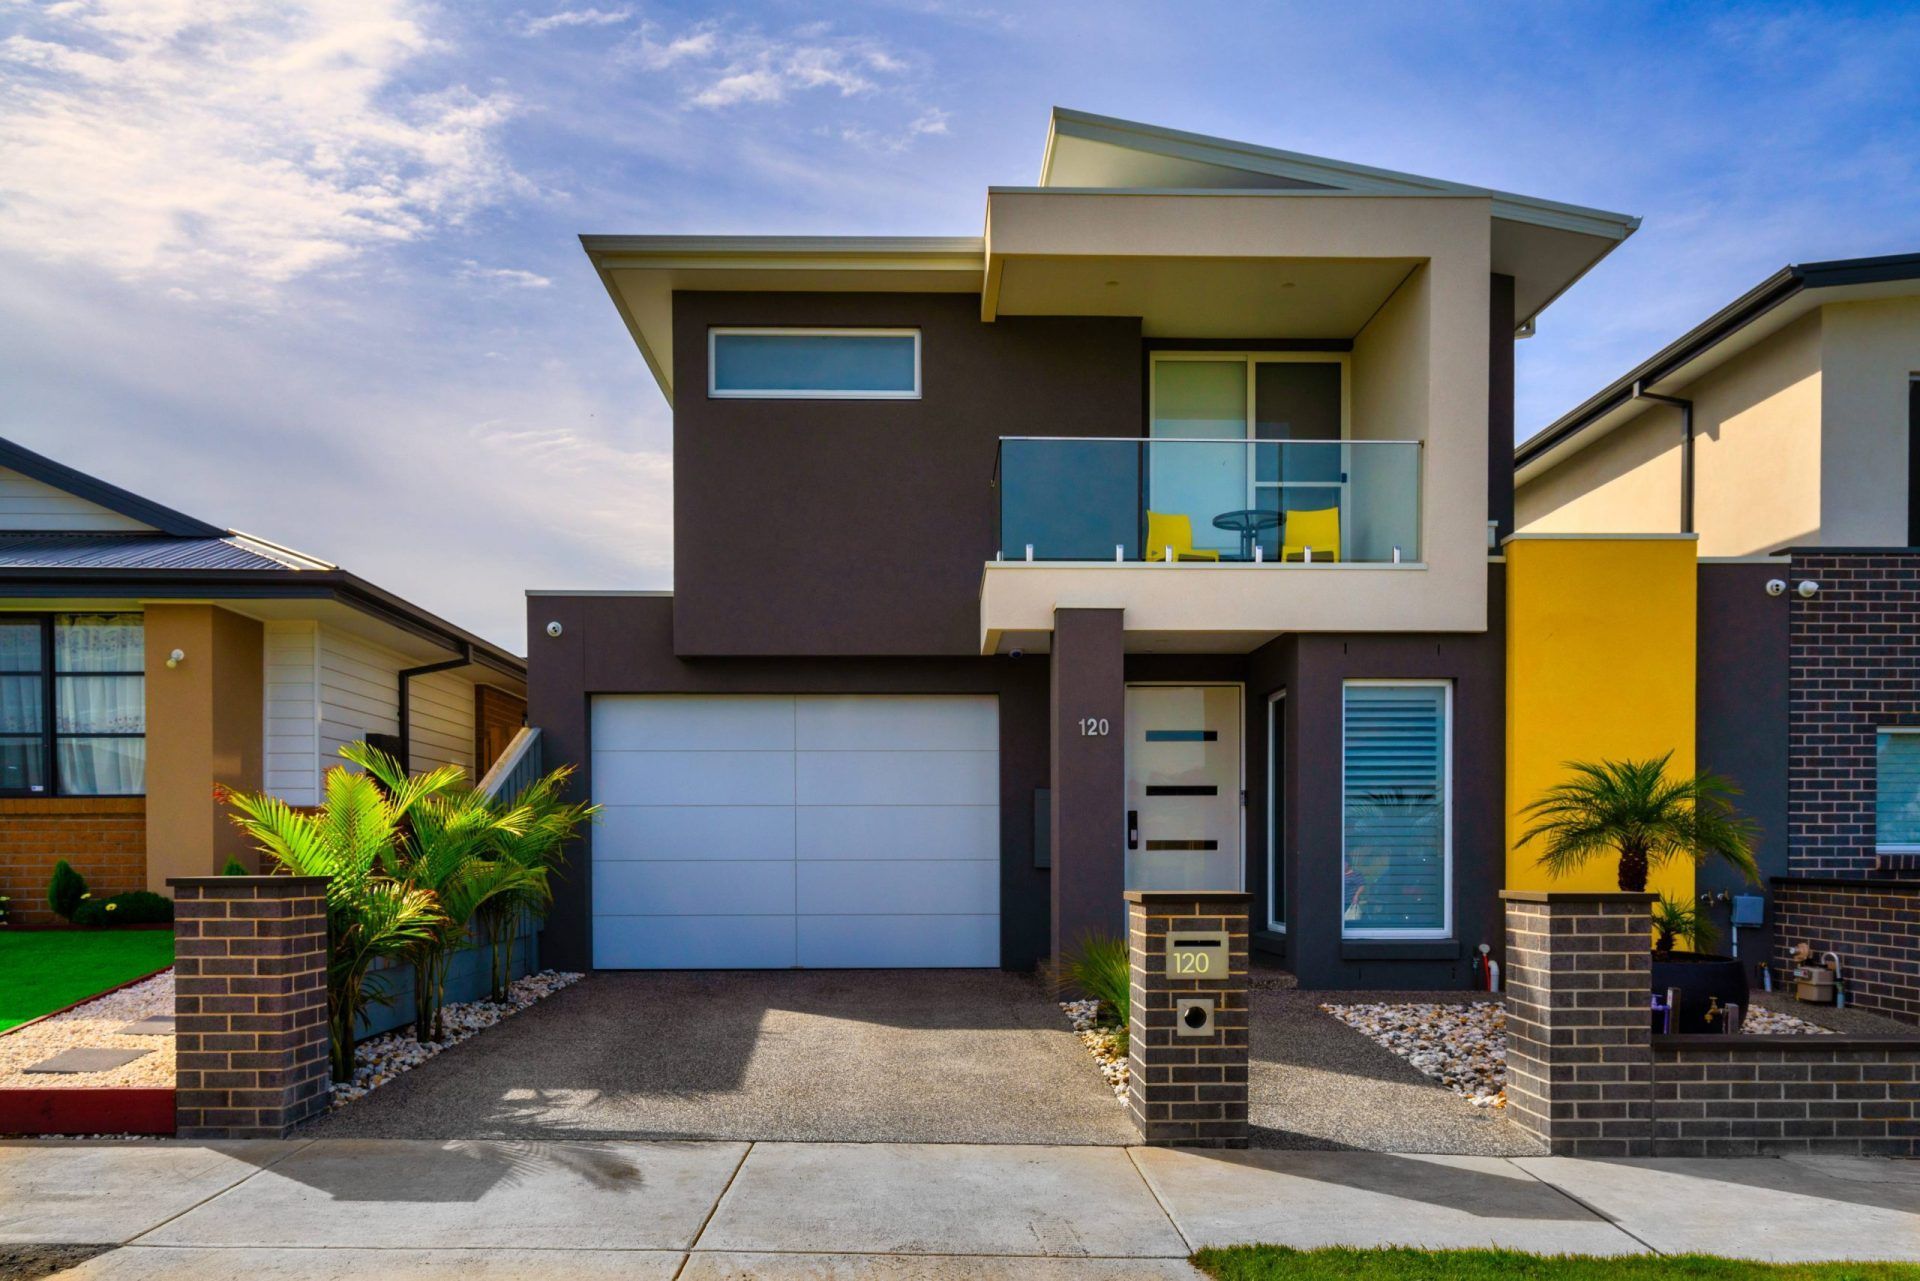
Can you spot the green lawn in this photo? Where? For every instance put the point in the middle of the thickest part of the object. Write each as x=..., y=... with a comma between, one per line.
x=45, y=970
x=1274, y=1262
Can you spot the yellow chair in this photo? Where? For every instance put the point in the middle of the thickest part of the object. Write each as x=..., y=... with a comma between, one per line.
x=1173, y=531
x=1317, y=530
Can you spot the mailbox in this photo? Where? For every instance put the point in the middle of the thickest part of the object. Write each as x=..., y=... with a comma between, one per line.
x=1193, y=1016
x=1197, y=954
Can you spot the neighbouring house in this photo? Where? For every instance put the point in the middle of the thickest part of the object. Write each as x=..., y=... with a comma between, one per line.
x=147, y=657
x=1781, y=437
x=1148, y=539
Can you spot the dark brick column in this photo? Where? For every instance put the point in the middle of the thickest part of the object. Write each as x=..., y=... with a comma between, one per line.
x=1184, y=1089
x=1089, y=774
x=250, y=1003
x=1579, y=1033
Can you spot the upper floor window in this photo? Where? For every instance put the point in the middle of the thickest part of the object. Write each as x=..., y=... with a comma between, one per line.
x=1896, y=796
x=73, y=712
x=813, y=364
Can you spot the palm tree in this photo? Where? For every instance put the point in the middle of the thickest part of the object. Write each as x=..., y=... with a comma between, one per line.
x=369, y=915
x=533, y=844
x=1632, y=810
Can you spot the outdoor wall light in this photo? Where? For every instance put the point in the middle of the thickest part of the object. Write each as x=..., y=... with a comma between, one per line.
x=1808, y=587
x=1776, y=587
x=554, y=628
x=176, y=658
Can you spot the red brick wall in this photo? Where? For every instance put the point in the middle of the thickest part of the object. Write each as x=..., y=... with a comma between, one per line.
x=104, y=837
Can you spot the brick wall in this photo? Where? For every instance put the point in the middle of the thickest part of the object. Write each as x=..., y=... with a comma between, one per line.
x=104, y=837
x=1873, y=926
x=1579, y=975
x=1724, y=1096
x=1186, y=1090
x=1854, y=667
x=250, y=1000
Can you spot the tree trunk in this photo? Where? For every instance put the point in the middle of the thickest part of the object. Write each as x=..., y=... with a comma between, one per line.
x=1633, y=870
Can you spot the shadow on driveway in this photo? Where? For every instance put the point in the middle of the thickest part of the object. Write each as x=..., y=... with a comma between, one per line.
x=932, y=1056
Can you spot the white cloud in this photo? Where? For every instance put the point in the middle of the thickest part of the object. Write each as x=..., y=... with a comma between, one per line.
x=720, y=66
x=471, y=270
x=931, y=122
x=228, y=145
x=576, y=18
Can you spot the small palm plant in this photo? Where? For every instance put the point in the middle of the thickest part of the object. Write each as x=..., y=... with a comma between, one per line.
x=370, y=915
x=1675, y=920
x=1633, y=811
x=533, y=845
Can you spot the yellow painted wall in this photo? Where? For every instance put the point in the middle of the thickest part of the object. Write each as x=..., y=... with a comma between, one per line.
x=1600, y=665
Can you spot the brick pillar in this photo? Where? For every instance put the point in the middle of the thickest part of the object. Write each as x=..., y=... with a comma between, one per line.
x=1089, y=774
x=1579, y=1032
x=250, y=1003
x=1185, y=1089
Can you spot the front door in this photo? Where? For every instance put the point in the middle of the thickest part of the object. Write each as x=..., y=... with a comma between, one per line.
x=1183, y=787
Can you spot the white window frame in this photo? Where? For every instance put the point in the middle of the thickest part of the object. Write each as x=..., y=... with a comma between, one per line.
x=1879, y=846
x=1446, y=816
x=1276, y=861
x=792, y=393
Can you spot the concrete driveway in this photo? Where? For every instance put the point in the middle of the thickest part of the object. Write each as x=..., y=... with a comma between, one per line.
x=901, y=1056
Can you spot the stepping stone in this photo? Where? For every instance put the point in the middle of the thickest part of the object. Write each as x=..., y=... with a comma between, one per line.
x=158, y=1025
x=87, y=1059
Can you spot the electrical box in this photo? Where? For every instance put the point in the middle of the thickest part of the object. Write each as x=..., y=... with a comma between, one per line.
x=1197, y=954
x=1749, y=909
x=1193, y=1016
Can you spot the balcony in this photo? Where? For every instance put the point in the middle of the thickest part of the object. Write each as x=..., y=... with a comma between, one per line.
x=1283, y=504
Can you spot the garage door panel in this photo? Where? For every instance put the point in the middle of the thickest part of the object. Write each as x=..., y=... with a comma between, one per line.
x=694, y=942
x=694, y=778
x=744, y=723
x=891, y=887
x=693, y=888
x=898, y=778
x=892, y=942
x=904, y=831
x=693, y=833
x=858, y=722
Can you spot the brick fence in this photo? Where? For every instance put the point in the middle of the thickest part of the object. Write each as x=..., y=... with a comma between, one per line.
x=250, y=1003
x=1182, y=1088
x=104, y=837
x=1873, y=926
x=1587, y=1077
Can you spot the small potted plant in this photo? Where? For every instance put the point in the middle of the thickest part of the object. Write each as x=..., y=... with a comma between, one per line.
x=1634, y=812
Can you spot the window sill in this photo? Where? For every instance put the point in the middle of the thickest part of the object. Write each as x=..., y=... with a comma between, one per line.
x=1400, y=950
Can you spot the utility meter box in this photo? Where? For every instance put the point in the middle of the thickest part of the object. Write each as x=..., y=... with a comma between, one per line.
x=1197, y=954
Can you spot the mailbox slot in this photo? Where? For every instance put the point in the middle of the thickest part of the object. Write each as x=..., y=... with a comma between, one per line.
x=1197, y=954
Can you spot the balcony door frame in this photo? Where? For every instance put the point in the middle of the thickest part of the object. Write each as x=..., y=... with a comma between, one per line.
x=1249, y=423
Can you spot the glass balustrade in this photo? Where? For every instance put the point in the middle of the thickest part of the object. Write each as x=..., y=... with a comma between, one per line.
x=1208, y=501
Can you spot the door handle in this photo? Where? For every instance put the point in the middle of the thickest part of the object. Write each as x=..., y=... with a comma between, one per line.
x=1133, y=829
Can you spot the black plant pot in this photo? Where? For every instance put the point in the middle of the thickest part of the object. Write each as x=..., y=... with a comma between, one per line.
x=1700, y=977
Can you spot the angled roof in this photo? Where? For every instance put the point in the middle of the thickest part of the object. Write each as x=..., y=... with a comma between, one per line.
x=181, y=555
x=1765, y=309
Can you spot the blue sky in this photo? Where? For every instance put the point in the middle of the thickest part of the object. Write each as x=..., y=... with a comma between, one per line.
x=309, y=268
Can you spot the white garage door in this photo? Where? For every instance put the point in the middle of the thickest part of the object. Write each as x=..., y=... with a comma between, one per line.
x=769, y=832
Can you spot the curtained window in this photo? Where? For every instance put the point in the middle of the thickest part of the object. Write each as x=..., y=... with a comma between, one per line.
x=73, y=705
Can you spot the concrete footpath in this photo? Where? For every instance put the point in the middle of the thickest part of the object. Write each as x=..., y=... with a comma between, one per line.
x=480, y=1210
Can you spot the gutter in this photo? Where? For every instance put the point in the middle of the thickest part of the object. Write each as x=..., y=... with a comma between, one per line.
x=406, y=676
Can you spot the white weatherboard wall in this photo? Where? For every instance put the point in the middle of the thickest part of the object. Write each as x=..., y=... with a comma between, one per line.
x=29, y=505
x=765, y=832
x=326, y=688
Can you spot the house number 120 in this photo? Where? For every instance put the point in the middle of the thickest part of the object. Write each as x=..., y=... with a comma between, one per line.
x=1094, y=727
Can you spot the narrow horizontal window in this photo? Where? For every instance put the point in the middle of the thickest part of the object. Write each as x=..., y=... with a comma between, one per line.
x=1183, y=736
x=820, y=364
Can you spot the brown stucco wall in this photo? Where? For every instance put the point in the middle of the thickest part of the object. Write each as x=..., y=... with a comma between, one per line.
x=204, y=726
x=835, y=527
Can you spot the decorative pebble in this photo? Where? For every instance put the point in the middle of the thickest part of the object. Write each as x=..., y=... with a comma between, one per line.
x=1104, y=1043
x=1760, y=1021
x=1461, y=1045
x=100, y=1022
x=379, y=1059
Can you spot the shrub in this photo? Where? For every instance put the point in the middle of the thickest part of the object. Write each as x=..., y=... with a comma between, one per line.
x=136, y=907
x=65, y=890
x=1676, y=920
x=1098, y=966
x=234, y=867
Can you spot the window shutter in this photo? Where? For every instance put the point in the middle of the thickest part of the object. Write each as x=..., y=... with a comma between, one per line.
x=1896, y=805
x=1394, y=811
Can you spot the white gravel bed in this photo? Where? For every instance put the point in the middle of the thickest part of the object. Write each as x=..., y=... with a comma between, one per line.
x=92, y=1026
x=1461, y=1045
x=379, y=1059
x=1105, y=1046
x=1760, y=1021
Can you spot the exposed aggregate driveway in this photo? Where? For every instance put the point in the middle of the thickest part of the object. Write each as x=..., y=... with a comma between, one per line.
x=928, y=1056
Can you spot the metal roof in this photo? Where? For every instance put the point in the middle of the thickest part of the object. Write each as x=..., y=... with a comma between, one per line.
x=141, y=551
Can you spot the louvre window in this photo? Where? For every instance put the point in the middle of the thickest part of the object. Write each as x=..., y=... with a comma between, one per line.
x=818, y=364
x=1395, y=811
x=1896, y=806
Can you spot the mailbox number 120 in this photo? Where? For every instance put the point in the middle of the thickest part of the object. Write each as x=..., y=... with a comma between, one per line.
x=1094, y=727
x=1192, y=963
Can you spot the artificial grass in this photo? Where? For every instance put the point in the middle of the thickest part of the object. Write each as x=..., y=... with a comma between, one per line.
x=1275, y=1262
x=45, y=970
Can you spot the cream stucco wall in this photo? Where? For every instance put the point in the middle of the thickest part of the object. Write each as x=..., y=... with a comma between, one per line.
x=1870, y=352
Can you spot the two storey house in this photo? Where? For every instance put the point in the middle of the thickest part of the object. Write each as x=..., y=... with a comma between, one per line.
x=1148, y=539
